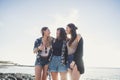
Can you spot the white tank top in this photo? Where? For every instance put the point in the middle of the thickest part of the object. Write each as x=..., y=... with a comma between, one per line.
x=44, y=52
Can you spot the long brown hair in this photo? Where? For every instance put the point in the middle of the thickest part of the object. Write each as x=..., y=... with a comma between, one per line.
x=49, y=40
x=73, y=29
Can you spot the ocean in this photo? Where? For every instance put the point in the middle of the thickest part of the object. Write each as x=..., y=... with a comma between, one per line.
x=101, y=74
x=90, y=73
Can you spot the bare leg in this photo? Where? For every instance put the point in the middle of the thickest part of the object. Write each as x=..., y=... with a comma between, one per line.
x=69, y=74
x=63, y=75
x=45, y=69
x=38, y=71
x=54, y=75
x=75, y=73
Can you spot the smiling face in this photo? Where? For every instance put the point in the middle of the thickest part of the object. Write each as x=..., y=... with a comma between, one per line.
x=68, y=30
x=58, y=33
x=47, y=32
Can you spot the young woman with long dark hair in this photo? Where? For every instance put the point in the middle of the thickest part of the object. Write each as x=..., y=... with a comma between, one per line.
x=59, y=56
x=42, y=47
x=75, y=52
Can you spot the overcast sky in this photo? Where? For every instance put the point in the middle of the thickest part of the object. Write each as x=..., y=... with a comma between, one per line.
x=98, y=22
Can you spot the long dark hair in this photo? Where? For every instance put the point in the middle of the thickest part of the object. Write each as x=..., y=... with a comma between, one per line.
x=43, y=29
x=63, y=35
x=73, y=29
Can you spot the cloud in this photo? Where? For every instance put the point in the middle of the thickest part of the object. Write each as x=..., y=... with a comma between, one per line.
x=58, y=20
x=71, y=16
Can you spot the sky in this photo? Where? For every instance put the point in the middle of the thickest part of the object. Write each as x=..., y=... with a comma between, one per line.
x=98, y=22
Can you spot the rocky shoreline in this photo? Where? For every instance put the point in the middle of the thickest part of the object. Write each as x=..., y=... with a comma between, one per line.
x=16, y=76
x=13, y=71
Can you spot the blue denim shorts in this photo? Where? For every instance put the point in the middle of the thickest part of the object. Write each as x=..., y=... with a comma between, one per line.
x=56, y=65
x=41, y=61
x=70, y=59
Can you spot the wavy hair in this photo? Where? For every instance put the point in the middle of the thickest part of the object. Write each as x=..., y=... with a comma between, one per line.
x=73, y=29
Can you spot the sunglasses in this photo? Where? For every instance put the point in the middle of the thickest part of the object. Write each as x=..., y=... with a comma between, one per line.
x=45, y=49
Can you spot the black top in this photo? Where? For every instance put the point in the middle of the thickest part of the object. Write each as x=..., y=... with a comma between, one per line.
x=57, y=47
x=78, y=57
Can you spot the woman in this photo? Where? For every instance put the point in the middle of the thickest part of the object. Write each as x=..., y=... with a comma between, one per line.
x=42, y=47
x=59, y=56
x=75, y=52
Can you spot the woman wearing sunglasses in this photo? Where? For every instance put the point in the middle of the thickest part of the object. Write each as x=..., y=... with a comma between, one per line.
x=42, y=47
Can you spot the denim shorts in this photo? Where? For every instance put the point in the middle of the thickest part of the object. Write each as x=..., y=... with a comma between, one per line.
x=41, y=61
x=70, y=59
x=56, y=65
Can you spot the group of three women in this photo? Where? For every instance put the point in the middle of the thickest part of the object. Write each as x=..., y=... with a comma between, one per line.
x=59, y=55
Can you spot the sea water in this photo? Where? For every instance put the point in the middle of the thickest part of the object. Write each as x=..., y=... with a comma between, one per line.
x=90, y=73
x=101, y=74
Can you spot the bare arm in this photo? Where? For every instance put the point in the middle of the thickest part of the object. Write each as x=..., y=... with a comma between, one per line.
x=35, y=50
x=78, y=37
x=41, y=47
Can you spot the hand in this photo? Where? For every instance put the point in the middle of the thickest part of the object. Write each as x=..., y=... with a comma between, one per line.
x=41, y=47
x=35, y=50
x=72, y=64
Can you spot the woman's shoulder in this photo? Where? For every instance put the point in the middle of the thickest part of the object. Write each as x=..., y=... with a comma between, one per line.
x=52, y=38
x=79, y=37
x=38, y=39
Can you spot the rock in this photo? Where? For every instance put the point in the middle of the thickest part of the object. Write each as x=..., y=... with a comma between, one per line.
x=16, y=76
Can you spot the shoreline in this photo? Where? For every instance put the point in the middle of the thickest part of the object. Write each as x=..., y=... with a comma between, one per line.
x=9, y=63
x=17, y=65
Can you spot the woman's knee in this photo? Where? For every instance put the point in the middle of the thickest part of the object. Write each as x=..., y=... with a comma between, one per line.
x=63, y=75
x=76, y=75
x=54, y=75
